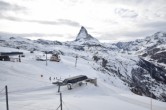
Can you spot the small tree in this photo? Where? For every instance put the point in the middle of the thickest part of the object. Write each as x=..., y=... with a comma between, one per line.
x=95, y=58
x=104, y=62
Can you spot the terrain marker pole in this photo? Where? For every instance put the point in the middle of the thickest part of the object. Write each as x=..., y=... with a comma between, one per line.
x=76, y=61
x=61, y=100
x=7, y=105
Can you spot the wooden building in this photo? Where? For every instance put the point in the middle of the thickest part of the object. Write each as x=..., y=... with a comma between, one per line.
x=55, y=57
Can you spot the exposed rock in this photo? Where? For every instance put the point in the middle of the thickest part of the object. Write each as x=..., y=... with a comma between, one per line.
x=160, y=57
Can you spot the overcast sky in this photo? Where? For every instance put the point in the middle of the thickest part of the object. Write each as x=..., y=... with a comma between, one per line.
x=107, y=20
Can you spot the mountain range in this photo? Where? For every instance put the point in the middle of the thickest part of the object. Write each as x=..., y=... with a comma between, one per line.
x=139, y=65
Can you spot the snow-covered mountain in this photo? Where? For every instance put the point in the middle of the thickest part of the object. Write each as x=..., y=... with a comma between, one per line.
x=152, y=48
x=83, y=38
x=138, y=66
x=157, y=39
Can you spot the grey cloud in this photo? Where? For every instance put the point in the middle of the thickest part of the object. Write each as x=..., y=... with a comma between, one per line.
x=155, y=25
x=2, y=16
x=130, y=2
x=152, y=27
x=5, y=6
x=129, y=36
x=111, y=21
x=69, y=22
x=29, y=35
x=57, y=22
x=135, y=34
x=143, y=30
x=161, y=12
x=125, y=12
x=110, y=36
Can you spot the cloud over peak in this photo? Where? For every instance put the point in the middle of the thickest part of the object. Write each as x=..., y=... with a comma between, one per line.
x=126, y=13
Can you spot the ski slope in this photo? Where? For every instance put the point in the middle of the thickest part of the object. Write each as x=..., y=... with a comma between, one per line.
x=29, y=91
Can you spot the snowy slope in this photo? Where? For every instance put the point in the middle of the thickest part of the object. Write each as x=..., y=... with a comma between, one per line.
x=29, y=91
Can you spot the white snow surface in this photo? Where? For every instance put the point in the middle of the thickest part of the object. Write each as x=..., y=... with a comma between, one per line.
x=29, y=91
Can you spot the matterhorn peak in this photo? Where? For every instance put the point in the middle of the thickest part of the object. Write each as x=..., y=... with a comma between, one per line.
x=84, y=38
x=83, y=29
x=83, y=34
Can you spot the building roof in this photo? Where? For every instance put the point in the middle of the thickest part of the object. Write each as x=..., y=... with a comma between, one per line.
x=10, y=53
x=75, y=77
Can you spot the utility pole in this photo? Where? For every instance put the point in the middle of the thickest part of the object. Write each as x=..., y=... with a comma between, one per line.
x=19, y=57
x=61, y=100
x=7, y=105
x=151, y=88
x=59, y=86
x=76, y=61
x=46, y=57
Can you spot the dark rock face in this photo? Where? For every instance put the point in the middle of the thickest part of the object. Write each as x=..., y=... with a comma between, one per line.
x=140, y=84
x=156, y=72
x=142, y=76
x=46, y=42
x=153, y=51
x=160, y=57
x=80, y=48
x=124, y=45
x=157, y=54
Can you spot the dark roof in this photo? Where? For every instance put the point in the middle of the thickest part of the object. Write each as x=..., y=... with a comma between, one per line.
x=10, y=53
x=75, y=77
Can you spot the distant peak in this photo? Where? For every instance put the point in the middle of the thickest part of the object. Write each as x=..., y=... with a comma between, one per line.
x=83, y=36
x=160, y=33
x=83, y=28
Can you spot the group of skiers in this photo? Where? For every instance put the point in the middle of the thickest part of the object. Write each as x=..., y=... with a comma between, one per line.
x=50, y=78
x=53, y=78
